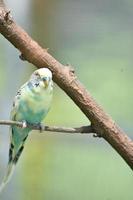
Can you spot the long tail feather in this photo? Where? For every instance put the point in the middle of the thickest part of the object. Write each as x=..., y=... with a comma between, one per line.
x=8, y=175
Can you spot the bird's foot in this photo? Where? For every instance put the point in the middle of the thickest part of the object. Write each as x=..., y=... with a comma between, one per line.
x=24, y=124
x=41, y=127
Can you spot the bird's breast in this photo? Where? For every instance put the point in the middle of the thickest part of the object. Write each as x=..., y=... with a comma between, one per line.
x=33, y=108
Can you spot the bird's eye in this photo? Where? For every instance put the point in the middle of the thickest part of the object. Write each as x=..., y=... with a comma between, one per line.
x=36, y=73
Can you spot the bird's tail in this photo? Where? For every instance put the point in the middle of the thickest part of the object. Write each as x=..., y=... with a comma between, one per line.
x=8, y=175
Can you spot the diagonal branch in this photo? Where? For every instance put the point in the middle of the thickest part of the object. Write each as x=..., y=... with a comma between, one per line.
x=41, y=127
x=65, y=78
x=2, y=4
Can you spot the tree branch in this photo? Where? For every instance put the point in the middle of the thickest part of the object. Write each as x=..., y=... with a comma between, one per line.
x=41, y=127
x=65, y=78
x=2, y=4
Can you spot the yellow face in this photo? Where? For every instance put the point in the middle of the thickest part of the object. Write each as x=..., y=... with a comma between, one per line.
x=40, y=90
x=44, y=76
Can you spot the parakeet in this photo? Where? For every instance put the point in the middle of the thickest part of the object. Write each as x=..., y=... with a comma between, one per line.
x=31, y=105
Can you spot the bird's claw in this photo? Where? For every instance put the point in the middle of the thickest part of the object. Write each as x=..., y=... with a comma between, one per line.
x=41, y=127
x=24, y=124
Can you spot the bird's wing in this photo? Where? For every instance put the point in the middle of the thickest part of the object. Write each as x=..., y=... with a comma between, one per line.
x=16, y=101
x=15, y=150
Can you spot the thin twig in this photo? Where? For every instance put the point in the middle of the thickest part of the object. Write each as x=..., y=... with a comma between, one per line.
x=82, y=129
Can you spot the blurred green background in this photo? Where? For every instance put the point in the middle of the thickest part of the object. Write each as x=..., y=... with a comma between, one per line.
x=96, y=37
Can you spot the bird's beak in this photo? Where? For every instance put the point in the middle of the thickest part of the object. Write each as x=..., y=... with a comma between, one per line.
x=46, y=82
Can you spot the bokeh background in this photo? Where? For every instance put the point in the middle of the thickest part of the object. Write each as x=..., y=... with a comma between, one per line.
x=96, y=37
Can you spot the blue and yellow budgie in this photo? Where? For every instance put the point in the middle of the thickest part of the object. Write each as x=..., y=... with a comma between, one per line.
x=31, y=105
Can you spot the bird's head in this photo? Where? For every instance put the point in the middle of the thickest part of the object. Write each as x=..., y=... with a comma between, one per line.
x=43, y=76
